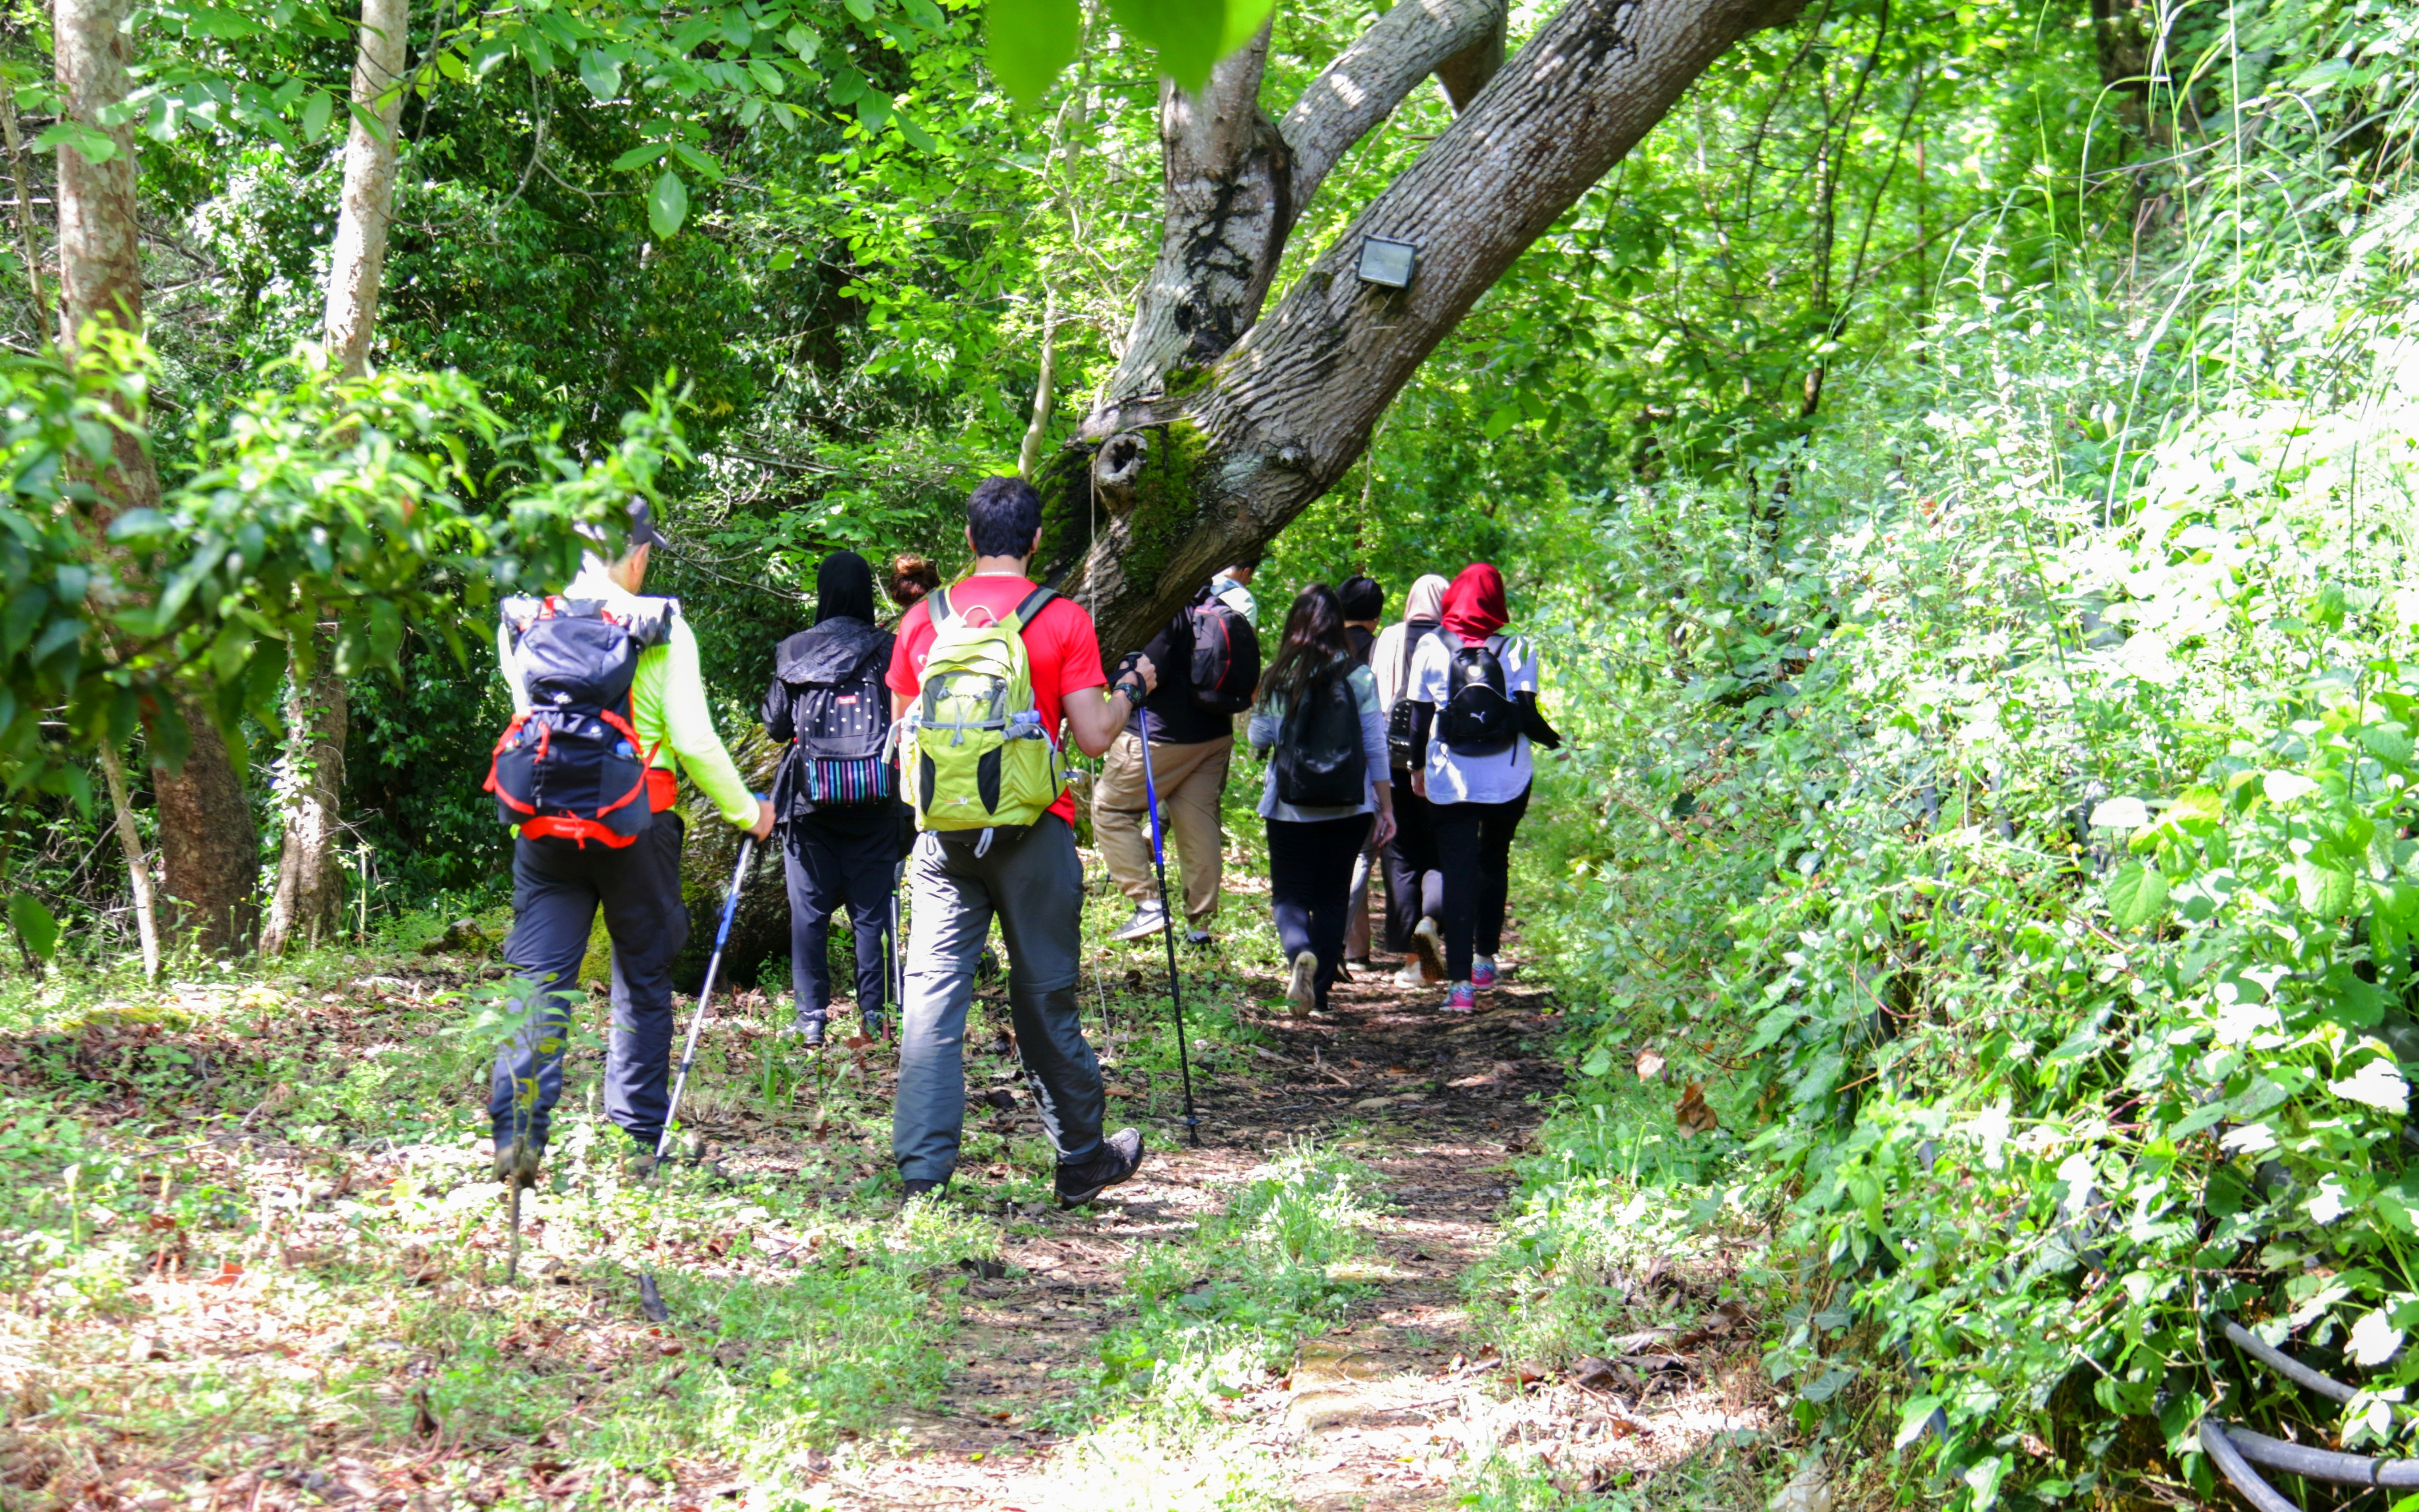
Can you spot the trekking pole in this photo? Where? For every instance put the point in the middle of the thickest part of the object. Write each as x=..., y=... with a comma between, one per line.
x=898, y=1014
x=651, y=1301
x=1167, y=928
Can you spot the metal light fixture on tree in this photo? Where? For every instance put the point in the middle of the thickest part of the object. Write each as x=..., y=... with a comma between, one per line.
x=1387, y=264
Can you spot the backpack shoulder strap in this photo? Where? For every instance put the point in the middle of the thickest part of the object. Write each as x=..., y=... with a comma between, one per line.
x=1035, y=602
x=936, y=608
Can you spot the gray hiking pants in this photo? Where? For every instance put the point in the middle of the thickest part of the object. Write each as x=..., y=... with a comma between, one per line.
x=1033, y=883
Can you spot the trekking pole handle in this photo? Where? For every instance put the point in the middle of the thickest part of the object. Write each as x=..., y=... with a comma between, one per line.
x=1149, y=786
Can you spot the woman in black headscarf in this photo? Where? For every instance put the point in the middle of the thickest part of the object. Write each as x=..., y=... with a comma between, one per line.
x=835, y=797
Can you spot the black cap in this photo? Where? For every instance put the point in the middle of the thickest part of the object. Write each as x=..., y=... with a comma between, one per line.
x=642, y=526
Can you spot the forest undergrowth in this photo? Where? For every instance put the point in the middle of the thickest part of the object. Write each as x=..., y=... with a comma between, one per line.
x=1988, y=871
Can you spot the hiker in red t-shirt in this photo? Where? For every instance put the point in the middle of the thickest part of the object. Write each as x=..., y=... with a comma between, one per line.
x=1031, y=880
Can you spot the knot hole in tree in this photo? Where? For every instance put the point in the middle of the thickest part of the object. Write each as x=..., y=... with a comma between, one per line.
x=1116, y=469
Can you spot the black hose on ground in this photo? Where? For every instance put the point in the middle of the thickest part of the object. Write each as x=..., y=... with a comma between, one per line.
x=2238, y=1471
x=2317, y=1464
x=2286, y=1365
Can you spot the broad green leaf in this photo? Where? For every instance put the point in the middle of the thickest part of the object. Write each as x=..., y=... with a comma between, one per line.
x=784, y=260
x=1913, y=1419
x=803, y=42
x=2390, y=744
x=640, y=157
x=2121, y=813
x=2325, y=891
x=601, y=72
x=861, y=10
x=2378, y=1085
x=1503, y=419
x=917, y=136
x=2137, y=894
x=1189, y=36
x=1029, y=41
x=92, y=146
x=2284, y=787
x=316, y=113
x=1243, y=18
x=34, y=924
x=667, y=203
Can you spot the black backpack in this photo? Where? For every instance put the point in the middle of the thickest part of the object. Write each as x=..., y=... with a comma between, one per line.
x=1320, y=762
x=1479, y=718
x=1399, y=725
x=572, y=767
x=840, y=722
x=1226, y=667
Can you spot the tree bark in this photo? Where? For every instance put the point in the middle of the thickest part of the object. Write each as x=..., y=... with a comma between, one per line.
x=2123, y=45
x=310, y=895
x=138, y=869
x=368, y=206
x=210, y=850
x=1185, y=481
x=308, y=900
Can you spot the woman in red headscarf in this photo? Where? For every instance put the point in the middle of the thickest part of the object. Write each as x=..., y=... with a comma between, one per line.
x=1474, y=692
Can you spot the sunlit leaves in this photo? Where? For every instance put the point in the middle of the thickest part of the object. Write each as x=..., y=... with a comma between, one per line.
x=667, y=203
x=601, y=71
x=1029, y=41
x=2136, y=895
x=34, y=924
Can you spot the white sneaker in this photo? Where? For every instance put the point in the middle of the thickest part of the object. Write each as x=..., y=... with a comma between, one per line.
x=1301, y=987
x=1427, y=947
x=1148, y=920
x=1411, y=976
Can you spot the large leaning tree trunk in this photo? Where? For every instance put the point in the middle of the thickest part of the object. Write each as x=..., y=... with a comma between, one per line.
x=209, y=846
x=1219, y=425
x=309, y=897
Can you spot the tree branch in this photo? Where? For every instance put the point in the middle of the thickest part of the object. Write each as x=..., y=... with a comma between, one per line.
x=1290, y=407
x=1460, y=41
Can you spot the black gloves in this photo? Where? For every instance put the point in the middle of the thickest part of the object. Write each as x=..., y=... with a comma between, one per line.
x=1534, y=725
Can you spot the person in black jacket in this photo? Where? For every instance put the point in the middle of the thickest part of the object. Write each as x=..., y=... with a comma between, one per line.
x=1362, y=598
x=835, y=796
x=1190, y=749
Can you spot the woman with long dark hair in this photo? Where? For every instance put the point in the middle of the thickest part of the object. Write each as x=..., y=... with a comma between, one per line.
x=1327, y=784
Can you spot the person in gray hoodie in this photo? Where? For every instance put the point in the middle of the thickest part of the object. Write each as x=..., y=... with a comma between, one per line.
x=835, y=796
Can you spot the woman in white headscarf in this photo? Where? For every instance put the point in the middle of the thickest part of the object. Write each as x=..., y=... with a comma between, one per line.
x=1414, y=887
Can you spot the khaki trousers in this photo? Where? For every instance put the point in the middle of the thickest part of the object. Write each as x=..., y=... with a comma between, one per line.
x=1190, y=780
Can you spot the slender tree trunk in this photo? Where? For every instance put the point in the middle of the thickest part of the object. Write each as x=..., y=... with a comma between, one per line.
x=309, y=899
x=2122, y=42
x=1044, y=388
x=43, y=328
x=138, y=869
x=209, y=846
x=308, y=904
x=1191, y=474
x=368, y=207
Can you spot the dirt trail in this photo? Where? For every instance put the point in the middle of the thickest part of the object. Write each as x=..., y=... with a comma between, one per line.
x=1368, y=1418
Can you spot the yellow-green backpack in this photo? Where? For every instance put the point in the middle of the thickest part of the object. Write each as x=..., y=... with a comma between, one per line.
x=978, y=757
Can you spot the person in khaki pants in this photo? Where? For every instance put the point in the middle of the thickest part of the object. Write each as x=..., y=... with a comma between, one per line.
x=1190, y=749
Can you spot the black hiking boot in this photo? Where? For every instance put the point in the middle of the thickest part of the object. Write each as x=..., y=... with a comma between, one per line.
x=1120, y=1158
x=922, y=1186
x=516, y=1162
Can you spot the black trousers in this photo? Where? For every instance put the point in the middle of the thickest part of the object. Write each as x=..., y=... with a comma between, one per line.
x=833, y=857
x=1414, y=887
x=1310, y=884
x=1474, y=846
x=558, y=887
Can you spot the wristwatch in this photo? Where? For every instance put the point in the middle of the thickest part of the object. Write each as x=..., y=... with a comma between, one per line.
x=1133, y=690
